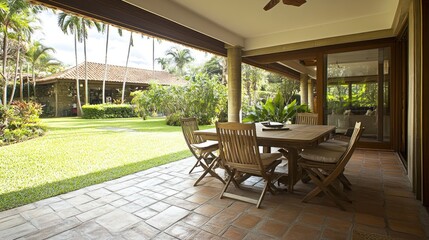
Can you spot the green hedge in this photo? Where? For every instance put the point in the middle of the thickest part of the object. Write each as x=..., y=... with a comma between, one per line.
x=107, y=111
x=119, y=111
x=93, y=111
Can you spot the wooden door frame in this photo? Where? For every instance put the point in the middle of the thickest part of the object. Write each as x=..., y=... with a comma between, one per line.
x=425, y=102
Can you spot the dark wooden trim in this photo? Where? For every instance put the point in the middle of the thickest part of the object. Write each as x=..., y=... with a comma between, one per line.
x=311, y=52
x=122, y=14
x=425, y=101
x=400, y=58
x=275, y=67
x=321, y=87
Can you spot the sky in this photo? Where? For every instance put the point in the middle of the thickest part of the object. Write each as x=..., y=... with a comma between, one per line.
x=50, y=35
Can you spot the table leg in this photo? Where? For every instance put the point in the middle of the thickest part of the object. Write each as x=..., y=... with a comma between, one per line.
x=293, y=174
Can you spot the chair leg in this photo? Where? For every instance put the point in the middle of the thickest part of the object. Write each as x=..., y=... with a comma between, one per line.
x=196, y=164
x=258, y=204
x=230, y=178
x=212, y=173
x=339, y=192
x=316, y=191
x=321, y=186
x=347, y=184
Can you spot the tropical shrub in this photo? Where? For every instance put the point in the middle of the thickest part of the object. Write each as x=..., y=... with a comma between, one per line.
x=174, y=119
x=107, y=111
x=202, y=97
x=20, y=121
x=275, y=109
x=148, y=102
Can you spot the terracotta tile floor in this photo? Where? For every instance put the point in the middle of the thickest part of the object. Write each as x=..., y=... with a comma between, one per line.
x=161, y=203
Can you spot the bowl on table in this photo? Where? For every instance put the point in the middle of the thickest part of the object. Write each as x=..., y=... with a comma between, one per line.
x=272, y=124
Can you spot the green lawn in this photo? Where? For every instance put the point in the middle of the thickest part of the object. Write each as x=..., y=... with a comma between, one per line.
x=76, y=153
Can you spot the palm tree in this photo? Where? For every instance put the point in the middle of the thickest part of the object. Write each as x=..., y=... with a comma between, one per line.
x=131, y=43
x=72, y=24
x=17, y=64
x=153, y=53
x=23, y=32
x=215, y=68
x=87, y=24
x=36, y=55
x=180, y=57
x=79, y=27
x=164, y=62
x=13, y=15
x=106, y=27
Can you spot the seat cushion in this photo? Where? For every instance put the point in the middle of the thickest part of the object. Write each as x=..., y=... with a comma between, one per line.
x=205, y=145
x=334, y=145
x=322, y=155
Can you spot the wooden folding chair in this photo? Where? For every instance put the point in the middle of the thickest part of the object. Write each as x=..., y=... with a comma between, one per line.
x=325, y=168
x=202, y=150
x=307, y=118
x=239, y=152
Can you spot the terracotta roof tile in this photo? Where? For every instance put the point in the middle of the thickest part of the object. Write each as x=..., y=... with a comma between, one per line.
x=115, y=74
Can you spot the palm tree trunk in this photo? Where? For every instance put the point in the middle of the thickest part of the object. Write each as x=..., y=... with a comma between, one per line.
x=33, y=74
x=4, y=69
x=105, y=66
x=126, y=68
x=153, y=56
x=86, y=66
x=79, y=105
x=12, y=95
x=28, y=82
x=21, y=84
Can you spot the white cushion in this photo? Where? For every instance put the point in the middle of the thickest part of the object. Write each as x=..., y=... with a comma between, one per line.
x=343, y=123
x=338, y=142
x=318, y=154
x=205, y=145
x=334, y=145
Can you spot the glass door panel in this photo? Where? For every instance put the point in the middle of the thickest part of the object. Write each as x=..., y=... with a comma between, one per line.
x=357, y=90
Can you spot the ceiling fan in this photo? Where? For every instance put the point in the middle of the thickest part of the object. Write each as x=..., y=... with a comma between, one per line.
x=272, y=3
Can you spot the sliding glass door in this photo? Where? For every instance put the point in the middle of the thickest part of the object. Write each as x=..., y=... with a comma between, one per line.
x=357, y=90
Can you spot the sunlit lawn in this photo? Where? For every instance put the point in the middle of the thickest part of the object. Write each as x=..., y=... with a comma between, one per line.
x=76, y=153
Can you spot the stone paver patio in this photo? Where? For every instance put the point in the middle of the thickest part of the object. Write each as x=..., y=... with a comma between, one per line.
x=161, y=203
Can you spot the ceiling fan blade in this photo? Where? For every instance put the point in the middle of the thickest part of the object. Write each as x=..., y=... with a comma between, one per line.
x=296, y=3
x=271, y=4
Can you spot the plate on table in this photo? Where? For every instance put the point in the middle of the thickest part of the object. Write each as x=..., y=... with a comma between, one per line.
x=272, y=124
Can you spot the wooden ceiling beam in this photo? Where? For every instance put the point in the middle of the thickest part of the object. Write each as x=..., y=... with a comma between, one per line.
x=122, y=14
x=275, y=67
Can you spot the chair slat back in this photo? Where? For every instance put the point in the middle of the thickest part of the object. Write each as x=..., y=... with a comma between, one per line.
x=238, y=146
x=189, y=125
x=357, y=133
x=306, y=118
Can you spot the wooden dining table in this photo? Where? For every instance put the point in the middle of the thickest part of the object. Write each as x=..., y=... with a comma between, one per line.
x=293, y=139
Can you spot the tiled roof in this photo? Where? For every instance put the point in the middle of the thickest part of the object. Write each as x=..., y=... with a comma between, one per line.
x=115, y=74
